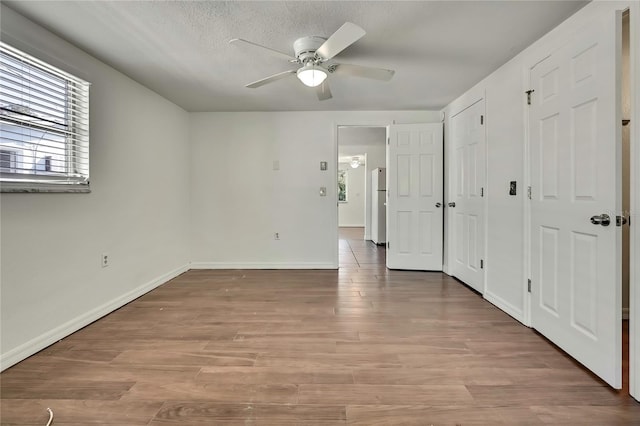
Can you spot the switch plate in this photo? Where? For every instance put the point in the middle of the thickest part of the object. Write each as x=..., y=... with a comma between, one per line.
x=323, y=191
x=323, y=165
x=276, y=165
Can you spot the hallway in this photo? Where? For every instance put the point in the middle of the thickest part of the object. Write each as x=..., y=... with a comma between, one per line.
x=356, y=252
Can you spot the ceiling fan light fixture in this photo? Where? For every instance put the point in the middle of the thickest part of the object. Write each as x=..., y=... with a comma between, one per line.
x=311, y=75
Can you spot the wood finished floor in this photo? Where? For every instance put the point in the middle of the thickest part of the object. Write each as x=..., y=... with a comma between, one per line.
x=358, y=346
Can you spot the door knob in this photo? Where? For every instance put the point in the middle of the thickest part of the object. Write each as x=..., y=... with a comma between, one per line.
x=438, y=205
x=452, y=204
x=602, y=219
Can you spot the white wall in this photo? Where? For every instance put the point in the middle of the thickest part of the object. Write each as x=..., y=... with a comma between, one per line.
x=239, y=201
x=352, y=212
x=52, y=281
x=504, y=237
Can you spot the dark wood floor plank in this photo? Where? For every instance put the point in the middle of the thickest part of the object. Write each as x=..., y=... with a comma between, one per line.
x=586, y=415
x=384, y=394
x=420, y=415
x=77, y=412
x=202, y=358
x=66, y=389
x=257, y=375
x=362, y=346
x=213, y=392
x=519, y=395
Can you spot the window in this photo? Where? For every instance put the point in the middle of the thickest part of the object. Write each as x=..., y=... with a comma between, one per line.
x=342, y=186
x=47, y=163
x=7, y=161
x=44, y=126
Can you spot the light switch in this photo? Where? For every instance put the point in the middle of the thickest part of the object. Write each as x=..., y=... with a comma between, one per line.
x=323, y=191
x=323, y=165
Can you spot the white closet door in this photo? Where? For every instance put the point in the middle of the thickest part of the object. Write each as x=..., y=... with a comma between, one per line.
x=576, y=192
x=465, y=209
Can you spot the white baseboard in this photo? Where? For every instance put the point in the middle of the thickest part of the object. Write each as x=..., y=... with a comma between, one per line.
x=625, y=313
x=504, y=306
x=38, y=343
x=266, y=265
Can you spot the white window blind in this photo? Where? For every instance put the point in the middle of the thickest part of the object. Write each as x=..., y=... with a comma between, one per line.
x=44, y=126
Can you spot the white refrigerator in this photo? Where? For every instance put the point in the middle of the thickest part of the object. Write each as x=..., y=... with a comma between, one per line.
x=379, y=206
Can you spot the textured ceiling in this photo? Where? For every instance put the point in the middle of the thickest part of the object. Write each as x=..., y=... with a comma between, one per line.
x=180, y=49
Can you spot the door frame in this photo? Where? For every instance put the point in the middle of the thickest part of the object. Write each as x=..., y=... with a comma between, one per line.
x=475, y=96
x=634, y=189
x=333, y=168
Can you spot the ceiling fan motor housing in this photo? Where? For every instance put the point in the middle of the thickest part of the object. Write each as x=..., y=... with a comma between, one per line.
x=305, y=48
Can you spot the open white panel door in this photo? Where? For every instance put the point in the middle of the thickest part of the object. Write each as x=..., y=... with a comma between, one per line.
x=465, y=209
x=576, y=192
x=414, y=197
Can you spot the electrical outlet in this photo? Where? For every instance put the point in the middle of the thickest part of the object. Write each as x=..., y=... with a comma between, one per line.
x=105, y=260
x=276, y=236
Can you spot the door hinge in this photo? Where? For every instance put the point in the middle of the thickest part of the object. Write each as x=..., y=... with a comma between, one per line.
x=388, y=141
x=529, y=92
x=528, y=192
x=529, y=285
x=481, y=263
x=388, y=245
x=482, y=191
x=482, y=119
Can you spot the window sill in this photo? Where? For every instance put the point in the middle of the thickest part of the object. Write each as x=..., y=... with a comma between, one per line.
x=14, y=187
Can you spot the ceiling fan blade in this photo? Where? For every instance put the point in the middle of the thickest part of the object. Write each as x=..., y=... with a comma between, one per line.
x=273, y=52
x=345, y=36
x=323, y=91
x=270, y=79
x=366, y=72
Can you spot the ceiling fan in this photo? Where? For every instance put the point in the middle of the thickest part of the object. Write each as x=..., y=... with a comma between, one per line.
x=315, y=55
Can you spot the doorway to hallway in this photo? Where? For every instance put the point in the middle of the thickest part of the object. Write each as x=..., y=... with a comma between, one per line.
x=357, y=253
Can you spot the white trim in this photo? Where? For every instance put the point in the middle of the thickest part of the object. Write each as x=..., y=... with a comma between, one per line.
x=264, y=265
x=40, y=342
x=526, y=202
x=634, y=237
x=334, y=181
x=467, y=100
x=351, y=226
